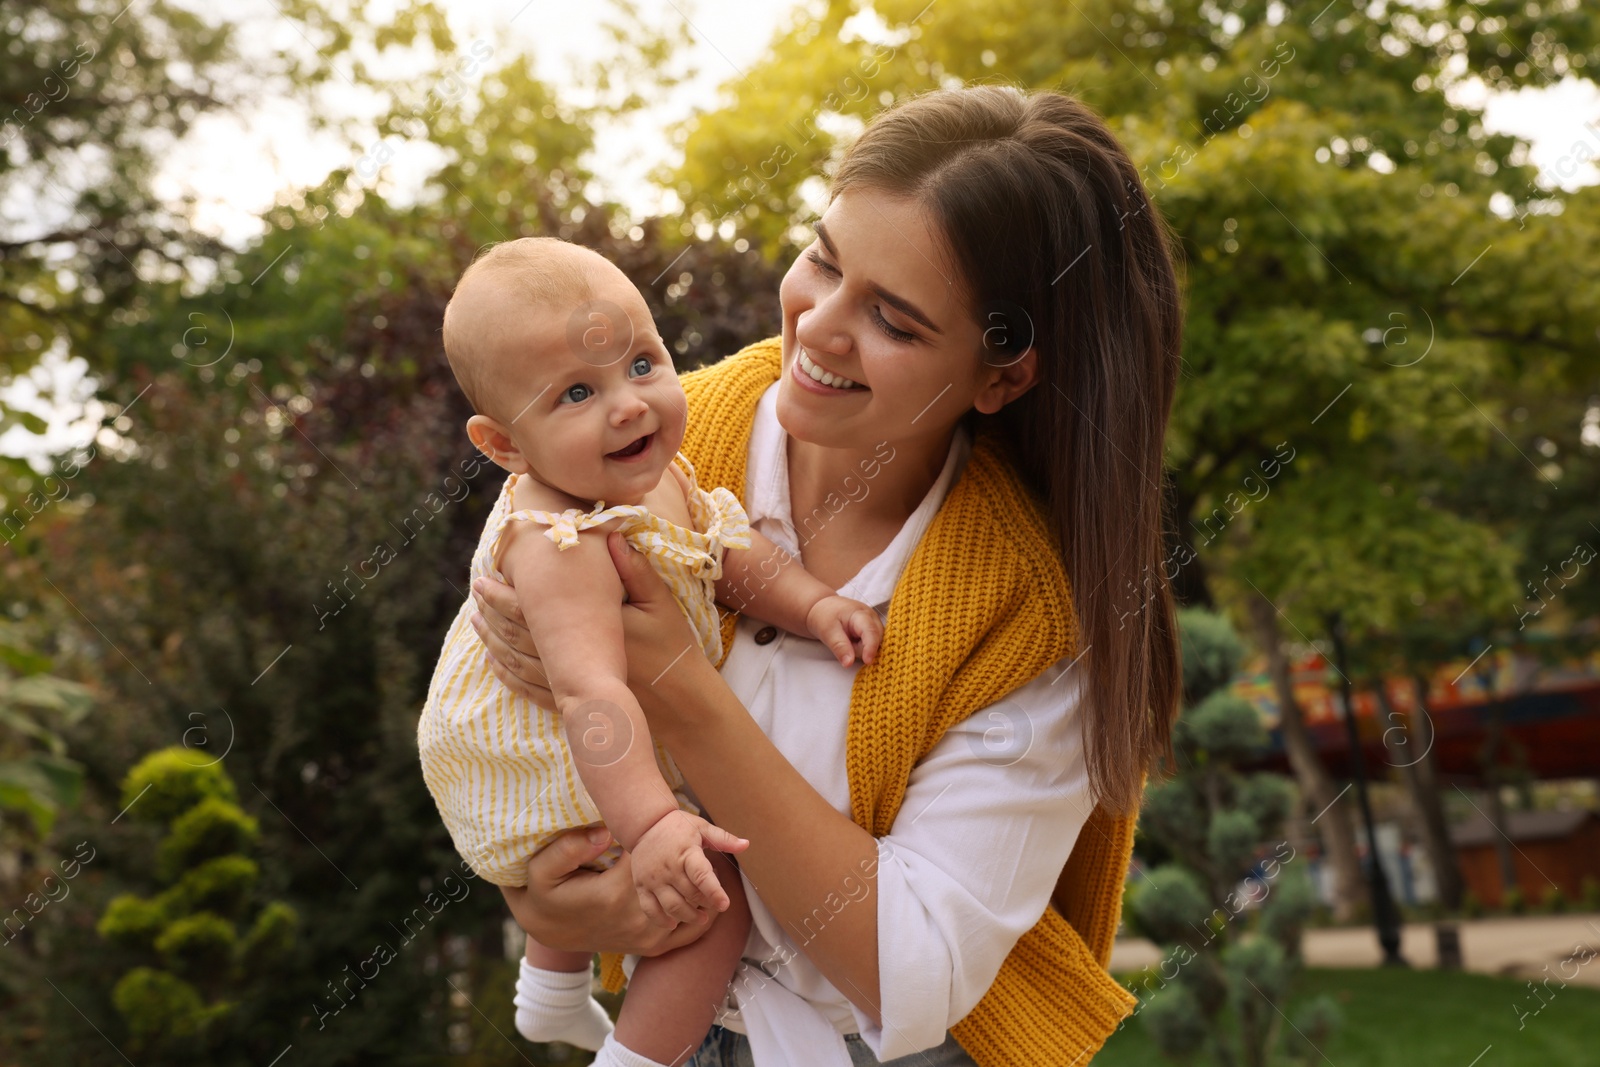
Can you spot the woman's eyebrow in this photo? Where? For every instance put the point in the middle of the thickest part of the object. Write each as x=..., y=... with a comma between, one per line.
x=899, y=303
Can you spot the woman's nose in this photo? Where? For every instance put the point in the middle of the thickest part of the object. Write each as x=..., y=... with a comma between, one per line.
x=821, y=328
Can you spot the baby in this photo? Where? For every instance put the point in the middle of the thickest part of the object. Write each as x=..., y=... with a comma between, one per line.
x=576, y=397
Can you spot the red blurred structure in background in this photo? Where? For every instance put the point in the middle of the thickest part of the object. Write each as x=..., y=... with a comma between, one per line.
x=1505, y=712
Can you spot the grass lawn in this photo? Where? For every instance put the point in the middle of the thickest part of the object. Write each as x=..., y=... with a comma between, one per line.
x=1402, y=1018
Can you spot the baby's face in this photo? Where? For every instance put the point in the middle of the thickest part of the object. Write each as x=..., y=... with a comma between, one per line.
x=594, y=402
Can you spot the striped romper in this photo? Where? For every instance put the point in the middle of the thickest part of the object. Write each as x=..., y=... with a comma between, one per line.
x=498, y=765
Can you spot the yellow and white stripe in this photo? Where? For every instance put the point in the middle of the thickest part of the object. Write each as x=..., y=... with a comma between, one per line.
x=498, y=765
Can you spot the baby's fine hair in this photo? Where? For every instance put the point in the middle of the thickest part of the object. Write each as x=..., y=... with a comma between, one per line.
x=539, y=271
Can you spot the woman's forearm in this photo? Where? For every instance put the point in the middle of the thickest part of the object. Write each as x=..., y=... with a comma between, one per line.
x=802, y=852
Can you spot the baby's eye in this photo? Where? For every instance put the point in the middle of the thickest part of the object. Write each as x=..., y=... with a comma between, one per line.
x=577, y=394
x=641, y=366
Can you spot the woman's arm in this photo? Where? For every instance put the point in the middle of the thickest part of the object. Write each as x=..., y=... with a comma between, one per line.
x=802, y=851
x=989, y=818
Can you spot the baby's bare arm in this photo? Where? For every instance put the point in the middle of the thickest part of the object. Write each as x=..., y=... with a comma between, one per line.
x=572, y=603
x=770, y=584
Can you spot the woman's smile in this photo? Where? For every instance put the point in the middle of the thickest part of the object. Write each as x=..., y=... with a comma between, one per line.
x=812, y=378
x=808, y=370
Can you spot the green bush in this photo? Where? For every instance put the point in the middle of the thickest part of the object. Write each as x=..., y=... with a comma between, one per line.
x=133, y=922
x=1512, y=901
x=221, y=885
x=214, y=827
x=155, y=1003
x=170, y=781
x=1314, y=1024
x=1224, y=727
x=271, y=938
x=1554, y=901
x=175, y=1011
x=1591, y=893
x=1168, y=904
x=1237, y=938
x=1211, y=652
x=1175, y=1021
x=199, y=943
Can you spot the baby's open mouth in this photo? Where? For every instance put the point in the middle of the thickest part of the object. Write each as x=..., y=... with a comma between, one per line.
x=635, y=449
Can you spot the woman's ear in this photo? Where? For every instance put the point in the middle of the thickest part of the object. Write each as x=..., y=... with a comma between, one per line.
x=1008, y=382
x=494, y=441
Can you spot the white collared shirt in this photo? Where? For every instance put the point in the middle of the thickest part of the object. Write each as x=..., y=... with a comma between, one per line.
x=988, y=820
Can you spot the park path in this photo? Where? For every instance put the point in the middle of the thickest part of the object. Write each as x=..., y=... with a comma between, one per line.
x=1515, y=947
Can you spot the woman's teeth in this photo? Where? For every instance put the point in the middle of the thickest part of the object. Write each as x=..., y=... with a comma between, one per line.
x=817, y=374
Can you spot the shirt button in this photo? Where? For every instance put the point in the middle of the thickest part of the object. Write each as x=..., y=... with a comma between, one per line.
x=765, y=635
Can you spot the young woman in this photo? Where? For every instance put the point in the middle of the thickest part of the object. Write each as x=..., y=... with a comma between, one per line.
x=962, y=424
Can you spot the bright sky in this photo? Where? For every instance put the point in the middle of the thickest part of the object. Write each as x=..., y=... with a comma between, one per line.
x=237, y=165
x=244, y=162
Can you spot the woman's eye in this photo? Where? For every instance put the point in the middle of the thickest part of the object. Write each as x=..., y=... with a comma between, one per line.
x=823, y=265
x=893, y=331
x=577, y=394
x=641, y=366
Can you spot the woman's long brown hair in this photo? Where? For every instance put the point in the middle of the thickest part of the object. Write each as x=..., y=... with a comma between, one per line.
x=1048, y=223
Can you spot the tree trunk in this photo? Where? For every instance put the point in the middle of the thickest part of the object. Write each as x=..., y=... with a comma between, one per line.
x=1333, y=826
x=1410, y=748
x=1493, y=778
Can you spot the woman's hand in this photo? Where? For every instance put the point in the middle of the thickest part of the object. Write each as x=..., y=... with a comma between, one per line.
x=504, y=632
x=662, y=647
x=566, y=907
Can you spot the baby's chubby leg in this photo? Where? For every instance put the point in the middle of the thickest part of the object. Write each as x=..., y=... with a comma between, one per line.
x=553, y=1001
x=673, y=998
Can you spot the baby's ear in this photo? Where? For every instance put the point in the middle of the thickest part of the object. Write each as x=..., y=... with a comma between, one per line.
x=494, y=441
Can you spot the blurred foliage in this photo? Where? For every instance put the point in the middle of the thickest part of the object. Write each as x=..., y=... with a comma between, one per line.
x=261, y=551
x=194, y=965
x=280, y=533
x=1224, y=905
x=1377, y=286
x=37, y=779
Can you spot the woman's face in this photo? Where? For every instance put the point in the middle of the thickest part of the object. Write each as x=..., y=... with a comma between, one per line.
x=874, y=303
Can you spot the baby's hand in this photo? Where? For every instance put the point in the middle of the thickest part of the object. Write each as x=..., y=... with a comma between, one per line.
x=670, y=870
x=848, y=627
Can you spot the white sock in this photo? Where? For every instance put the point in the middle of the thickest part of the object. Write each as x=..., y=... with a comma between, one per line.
x=556, y=1006
x=614, y=1054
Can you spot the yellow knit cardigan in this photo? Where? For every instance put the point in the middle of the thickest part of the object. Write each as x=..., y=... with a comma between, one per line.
x=955, y=645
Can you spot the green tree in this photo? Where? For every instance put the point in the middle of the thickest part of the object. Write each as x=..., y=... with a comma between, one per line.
x=268, y=549
x=1374, y=282
x=205, y=940
x=1227, y=917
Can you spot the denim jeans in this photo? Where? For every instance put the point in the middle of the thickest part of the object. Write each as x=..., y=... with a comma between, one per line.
x=725, y=1048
